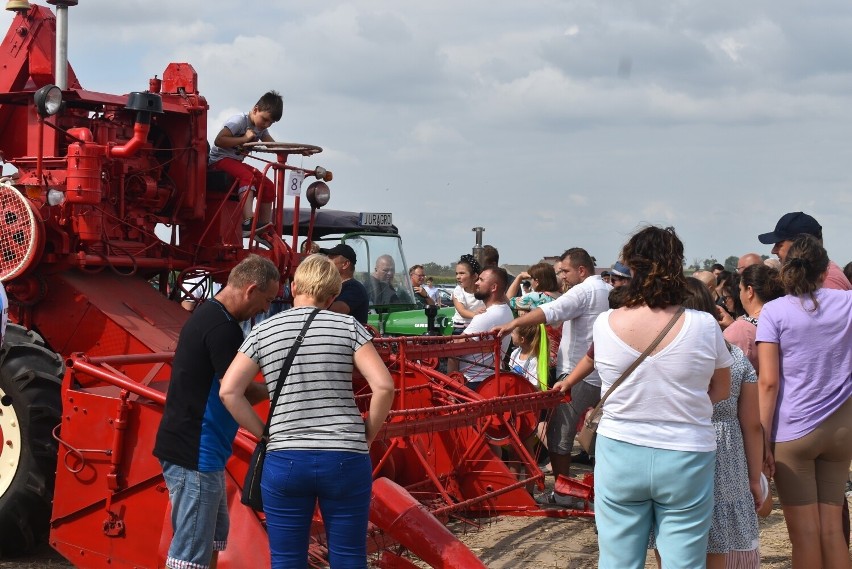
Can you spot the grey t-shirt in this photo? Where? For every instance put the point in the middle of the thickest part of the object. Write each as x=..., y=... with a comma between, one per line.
x=238, y=125
x=316, y=409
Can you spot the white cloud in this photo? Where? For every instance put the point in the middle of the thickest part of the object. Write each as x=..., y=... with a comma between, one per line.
x=732, y=48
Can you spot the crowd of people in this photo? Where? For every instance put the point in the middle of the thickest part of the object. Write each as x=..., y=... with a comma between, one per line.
x=733, y=392
x=738, y=392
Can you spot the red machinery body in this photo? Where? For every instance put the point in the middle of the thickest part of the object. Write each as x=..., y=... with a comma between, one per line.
x=83, y=374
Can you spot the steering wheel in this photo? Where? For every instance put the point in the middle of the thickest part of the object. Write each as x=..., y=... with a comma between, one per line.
x=282, y=148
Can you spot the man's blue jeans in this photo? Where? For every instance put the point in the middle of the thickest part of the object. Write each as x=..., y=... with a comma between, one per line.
x=199, y=515
x=293, y=482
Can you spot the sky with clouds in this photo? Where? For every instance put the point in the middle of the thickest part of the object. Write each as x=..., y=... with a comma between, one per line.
x=549, y=123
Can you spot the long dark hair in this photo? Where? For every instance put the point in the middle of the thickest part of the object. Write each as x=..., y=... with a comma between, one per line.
x=730, y=288
x=802, y=271
x=699, y=298
x=655, y=257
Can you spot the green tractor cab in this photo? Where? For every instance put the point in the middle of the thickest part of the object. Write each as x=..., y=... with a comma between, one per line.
x=380, y=267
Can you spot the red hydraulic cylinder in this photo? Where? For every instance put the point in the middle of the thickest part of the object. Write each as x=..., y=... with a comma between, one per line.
x=406, y=520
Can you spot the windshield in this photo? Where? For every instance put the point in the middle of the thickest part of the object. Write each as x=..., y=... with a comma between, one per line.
x=381, y=267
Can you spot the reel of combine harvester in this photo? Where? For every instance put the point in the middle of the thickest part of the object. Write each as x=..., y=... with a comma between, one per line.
x=497, y=426
x=21, y=233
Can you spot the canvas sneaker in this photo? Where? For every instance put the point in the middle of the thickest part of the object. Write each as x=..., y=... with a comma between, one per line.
x=263, y=243
x=261, y=228
x=558, y=500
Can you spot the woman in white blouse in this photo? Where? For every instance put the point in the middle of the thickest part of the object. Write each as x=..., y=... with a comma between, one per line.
x=656, y=442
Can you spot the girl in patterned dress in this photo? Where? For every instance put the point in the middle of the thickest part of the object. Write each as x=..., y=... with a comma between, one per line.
x=733, y=540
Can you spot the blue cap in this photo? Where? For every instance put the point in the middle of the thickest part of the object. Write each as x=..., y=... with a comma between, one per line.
x=619, y=269
x=789, y=226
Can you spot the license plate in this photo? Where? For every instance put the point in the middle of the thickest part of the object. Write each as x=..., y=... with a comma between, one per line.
x=376, y=219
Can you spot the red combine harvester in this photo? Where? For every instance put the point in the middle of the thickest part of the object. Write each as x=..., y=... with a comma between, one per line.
x=95, y=297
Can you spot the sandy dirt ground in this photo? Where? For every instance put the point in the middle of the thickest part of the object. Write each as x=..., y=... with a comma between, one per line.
x=510, y=542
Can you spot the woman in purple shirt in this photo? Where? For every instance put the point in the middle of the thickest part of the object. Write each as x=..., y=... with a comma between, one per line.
x=805, y=391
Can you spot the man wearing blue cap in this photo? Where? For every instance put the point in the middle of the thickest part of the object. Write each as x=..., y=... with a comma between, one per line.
x=619, y=275
x=788, y=227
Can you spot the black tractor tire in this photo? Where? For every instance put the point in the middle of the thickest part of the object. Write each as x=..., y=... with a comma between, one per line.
x=30, y=408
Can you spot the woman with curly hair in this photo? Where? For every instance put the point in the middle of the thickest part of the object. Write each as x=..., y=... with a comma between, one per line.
x=804, y=346
x=656, y=443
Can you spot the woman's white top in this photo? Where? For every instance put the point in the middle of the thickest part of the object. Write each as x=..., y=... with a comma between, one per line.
x=664, y=402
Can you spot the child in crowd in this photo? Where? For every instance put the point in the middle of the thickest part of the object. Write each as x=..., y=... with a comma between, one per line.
x=467, y=271
x=524, y=360
x=226, y=155
x=530, y=361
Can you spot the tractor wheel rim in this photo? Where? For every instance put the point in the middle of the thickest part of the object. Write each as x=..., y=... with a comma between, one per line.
x=10, y=437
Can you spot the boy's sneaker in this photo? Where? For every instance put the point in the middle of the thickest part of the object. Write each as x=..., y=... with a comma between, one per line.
x=554, y=499
x=261, y=228
x=264, y=243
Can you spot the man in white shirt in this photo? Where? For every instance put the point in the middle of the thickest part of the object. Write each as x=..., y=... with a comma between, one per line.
x=577, y=309
x=490, y=288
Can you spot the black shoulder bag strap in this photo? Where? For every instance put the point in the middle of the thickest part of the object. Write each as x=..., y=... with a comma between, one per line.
x=639, y=360
x=285, y=369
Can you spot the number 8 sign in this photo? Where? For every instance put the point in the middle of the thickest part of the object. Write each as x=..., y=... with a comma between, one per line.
x=294, y=186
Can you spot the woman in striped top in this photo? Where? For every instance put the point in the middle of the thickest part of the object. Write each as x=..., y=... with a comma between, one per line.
x=318, y=448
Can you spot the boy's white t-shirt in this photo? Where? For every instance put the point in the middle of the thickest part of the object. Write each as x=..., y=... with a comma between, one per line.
x=527, y=368
x=664, y=402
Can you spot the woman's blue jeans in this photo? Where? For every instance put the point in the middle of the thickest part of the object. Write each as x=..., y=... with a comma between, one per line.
x=293, y=482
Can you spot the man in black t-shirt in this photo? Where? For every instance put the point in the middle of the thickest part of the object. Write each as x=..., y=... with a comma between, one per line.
x=353, y=297
x=196, y=433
